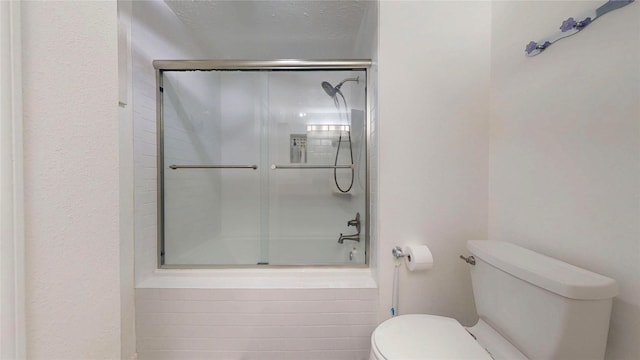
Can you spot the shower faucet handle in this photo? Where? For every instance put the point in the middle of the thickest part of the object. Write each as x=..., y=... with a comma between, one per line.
x=355, y=222
x=355, y=237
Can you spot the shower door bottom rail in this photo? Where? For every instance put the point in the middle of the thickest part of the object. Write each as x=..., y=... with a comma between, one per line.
x=275, y=167
x=175, y=167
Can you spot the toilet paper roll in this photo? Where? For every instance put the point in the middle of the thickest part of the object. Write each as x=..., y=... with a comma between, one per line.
x=418, y=257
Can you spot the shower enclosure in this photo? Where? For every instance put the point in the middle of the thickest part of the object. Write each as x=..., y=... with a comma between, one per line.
x=262, y=163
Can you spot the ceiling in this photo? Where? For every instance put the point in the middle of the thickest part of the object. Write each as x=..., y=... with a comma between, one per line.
x=280, y=29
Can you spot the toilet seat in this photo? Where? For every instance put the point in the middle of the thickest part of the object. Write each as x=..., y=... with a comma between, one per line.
x=413, y=337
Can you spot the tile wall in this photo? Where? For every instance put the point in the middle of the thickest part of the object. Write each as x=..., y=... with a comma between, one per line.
x=255, y=323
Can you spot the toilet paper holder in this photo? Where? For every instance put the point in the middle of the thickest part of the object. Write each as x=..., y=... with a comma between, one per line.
x=397, y=252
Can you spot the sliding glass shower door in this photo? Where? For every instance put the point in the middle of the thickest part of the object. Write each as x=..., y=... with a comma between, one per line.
x=262, y=166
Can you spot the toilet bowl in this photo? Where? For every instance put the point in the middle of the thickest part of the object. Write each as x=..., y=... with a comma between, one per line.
x=413, y=337
x=530, y=306
x=416, y=336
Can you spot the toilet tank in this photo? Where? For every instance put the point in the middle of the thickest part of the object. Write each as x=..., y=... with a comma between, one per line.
x=547, y=308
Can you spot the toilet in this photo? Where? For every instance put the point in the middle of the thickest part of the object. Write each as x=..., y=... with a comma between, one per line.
x=530, y=306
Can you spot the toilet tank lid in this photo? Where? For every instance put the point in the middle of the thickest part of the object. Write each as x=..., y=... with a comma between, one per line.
x=543, y=271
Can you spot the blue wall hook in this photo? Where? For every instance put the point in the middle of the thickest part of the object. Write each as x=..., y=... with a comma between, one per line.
x=570, y=26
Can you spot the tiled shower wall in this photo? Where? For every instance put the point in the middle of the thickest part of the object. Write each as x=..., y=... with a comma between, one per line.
x=255, y=323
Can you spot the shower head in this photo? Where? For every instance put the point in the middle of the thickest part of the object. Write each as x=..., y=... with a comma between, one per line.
x=329, y=89
x=332, y=91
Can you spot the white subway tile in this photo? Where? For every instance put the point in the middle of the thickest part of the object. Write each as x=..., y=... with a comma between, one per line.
x=255, y=355
x=256, y=332
x=236, y=322
x=147, y=293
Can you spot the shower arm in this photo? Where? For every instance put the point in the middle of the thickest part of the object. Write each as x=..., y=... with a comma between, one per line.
x=356, y=79
x=333, y=90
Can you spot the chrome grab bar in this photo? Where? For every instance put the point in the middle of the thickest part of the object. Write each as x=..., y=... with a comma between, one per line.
x=274, y=167
x=174, y=167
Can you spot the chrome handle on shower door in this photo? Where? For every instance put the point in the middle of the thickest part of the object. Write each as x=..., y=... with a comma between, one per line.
x=275, y=167
x=174, y=167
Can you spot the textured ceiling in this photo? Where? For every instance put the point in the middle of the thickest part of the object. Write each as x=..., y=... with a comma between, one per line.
x=275, y=29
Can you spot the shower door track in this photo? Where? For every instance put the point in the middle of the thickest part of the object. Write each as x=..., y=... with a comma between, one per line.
x=254, y=65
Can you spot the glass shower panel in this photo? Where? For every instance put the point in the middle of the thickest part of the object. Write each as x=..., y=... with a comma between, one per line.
x=211, y=141
x=262, y=167
x=314, y=129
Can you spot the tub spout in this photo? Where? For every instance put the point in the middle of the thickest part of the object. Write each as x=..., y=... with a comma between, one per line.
x=354, y=237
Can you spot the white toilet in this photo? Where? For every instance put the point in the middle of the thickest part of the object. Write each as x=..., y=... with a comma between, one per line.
x=530, y=307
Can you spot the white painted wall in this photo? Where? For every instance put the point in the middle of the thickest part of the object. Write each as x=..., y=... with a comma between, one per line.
x=125, y=160
x=12, y=284
x=433, y=81
x=71, y=179
x=564, y=168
